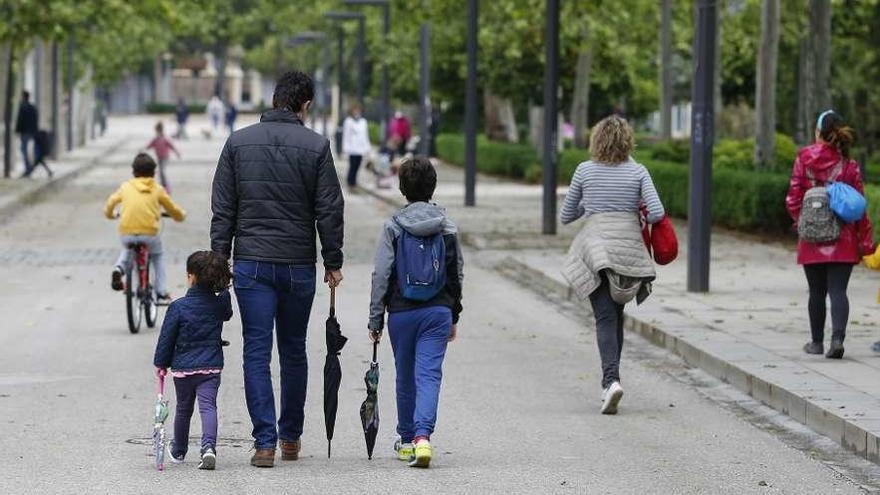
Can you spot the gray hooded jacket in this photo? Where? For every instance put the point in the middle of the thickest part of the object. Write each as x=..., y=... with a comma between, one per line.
x=419, y=219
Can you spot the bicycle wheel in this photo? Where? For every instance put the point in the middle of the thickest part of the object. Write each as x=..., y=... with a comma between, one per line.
x=132, y=301
x=150, y=303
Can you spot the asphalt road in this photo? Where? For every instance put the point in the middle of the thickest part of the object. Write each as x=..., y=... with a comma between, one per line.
x=519, y=407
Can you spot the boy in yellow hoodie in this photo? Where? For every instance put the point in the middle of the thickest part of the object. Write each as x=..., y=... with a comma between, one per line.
x=141, y=201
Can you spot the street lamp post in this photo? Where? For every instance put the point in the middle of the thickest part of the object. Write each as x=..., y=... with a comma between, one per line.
x=702, y=139
x=470, y=106
x=551, y=117
x=386, y=28
x=425, y=90
x=306, y=37
x=361, y=48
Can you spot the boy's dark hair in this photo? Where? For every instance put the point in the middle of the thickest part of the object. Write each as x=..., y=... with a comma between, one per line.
x=26, y=95
x=293, y=90
x=418, y=179
x=160, y=127
x=210, y=269
x=143, y=166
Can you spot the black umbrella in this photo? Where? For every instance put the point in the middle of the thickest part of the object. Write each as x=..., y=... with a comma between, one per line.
x=332, y=371
x=370, y=407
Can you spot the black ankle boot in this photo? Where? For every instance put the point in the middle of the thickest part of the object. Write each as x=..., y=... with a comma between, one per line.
x=836, y=349
x=814, y=348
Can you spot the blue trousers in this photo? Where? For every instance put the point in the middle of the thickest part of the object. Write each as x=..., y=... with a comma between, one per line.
x=278, y=296
x=203, y=388
x=419, y=339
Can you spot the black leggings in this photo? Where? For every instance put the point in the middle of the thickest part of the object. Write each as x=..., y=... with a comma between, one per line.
x=828, y=279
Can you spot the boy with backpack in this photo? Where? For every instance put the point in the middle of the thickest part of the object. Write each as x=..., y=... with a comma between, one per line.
x=418, y=279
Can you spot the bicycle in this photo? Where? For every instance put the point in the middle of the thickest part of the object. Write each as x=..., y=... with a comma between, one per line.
x=141, y=301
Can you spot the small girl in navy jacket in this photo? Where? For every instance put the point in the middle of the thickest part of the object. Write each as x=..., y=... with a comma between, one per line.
x=190, y=344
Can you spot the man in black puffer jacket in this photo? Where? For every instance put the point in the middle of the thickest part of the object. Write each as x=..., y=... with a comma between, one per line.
x=275, y=185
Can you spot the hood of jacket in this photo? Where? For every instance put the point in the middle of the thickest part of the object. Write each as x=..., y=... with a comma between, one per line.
x=143, y=184
x=423, y=219
x=820, y=157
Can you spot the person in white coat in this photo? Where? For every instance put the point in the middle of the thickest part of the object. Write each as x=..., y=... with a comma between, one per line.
x=215, y=111
x=355, y=142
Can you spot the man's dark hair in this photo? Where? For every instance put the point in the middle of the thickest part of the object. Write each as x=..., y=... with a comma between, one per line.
x=293, y=90
x=418, y=179
x=25, y=95
x=143, y=166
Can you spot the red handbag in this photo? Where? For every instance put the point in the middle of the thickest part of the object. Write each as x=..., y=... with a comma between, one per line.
x=663, y=242
x=660, y=239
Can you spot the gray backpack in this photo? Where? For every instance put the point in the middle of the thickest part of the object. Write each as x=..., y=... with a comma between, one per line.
x=818, y=223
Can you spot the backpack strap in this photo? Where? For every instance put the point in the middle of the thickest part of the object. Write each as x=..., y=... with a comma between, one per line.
x=835, y=173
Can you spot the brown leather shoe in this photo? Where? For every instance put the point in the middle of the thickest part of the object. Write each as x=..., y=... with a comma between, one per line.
x=290, y=450
x=263, y=458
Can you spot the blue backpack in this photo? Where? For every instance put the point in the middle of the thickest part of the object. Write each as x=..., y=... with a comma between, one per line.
x=421, y=265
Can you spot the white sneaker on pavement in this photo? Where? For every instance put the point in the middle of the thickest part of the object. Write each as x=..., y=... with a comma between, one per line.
x=611, y=397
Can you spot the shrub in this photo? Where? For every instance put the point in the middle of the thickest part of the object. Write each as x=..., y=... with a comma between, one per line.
x=155, y=107
x=506, y=159
x=677, y=150
x=739, y=154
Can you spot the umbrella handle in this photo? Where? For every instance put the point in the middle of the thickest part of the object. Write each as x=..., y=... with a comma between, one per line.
x=162, y=382
x=375, y=346
x=333, y=301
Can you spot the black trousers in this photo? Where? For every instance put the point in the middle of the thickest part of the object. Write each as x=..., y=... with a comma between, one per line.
x=354, y=163
x=824, y=280
x=609, y=331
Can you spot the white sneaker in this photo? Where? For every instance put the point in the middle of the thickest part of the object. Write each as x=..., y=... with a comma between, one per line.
x=611, y=397
x=209, y=460
x=169, y=455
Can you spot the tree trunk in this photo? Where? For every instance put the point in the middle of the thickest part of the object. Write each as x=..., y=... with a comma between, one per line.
x=820, y=32
x=765, y=87
x=7, y=111
x=666, y=95
x=580, y=104
x=719, y=100
x=500, y=119
x=805, y=83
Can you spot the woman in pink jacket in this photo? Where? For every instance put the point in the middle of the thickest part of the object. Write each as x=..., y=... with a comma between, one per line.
x=828, y=266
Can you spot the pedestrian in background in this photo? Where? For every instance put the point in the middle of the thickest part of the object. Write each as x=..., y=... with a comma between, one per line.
x=355, y=142
x=828, y=266
x=163, y=147
x=422, y=312
x=215, y=112
x=231, y=115
x=400, y=130
x=274, y=187
x=190, y=344
x=182, y=114
x=26, y=126
x=42, y=148
x=608, y=263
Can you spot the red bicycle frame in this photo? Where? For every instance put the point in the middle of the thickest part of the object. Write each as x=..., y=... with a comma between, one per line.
x=142, y=256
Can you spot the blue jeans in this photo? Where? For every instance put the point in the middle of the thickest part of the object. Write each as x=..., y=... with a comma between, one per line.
x=25, y=142
x=419, y=339
x=273, y=295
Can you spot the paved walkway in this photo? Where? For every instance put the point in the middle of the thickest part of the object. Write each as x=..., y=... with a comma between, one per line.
x=519, y=408
x=747, y=331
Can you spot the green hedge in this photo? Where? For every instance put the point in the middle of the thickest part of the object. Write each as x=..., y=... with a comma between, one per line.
x=154, y=107
x=505, y=159
x=741, y=199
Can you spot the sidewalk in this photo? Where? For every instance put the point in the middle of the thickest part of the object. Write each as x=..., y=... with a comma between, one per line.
x=748, y=331
x=15, y=193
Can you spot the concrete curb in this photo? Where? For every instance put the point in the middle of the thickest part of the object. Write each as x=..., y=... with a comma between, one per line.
x=12, y=207
x=858, y=434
